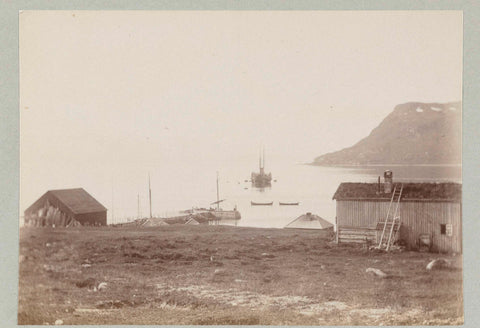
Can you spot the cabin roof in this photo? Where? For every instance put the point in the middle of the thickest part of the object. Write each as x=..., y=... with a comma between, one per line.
x=77, y=200
x=443, y=191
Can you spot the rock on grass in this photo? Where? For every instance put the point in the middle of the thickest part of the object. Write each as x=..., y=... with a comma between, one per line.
x=102, y=286
x=89, y=282
x=438, y=264
x=377, y=272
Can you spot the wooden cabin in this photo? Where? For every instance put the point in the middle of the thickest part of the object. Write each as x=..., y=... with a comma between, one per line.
x=430, y=214
x=66, y=207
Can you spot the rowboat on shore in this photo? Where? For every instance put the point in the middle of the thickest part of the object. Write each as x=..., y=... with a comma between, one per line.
x=260, y=204
x=293, y=204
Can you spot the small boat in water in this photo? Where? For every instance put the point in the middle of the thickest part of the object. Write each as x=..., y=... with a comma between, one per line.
x=260, y=204
x=293, y=204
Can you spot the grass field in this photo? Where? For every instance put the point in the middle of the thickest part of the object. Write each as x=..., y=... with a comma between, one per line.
x=220, y=275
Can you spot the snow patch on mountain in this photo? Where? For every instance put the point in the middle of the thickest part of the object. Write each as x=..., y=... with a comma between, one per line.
x=406, y=137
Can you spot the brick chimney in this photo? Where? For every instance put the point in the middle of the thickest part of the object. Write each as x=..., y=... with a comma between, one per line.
x=388, y=184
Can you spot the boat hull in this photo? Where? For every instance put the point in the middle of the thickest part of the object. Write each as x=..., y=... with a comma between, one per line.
x=226, y=215
x=261, y=204
x=261, y=179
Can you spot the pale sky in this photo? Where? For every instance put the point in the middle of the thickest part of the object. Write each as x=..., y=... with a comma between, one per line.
x=102, y=92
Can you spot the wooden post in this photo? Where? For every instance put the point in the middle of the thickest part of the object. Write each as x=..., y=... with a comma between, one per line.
x=336, y=226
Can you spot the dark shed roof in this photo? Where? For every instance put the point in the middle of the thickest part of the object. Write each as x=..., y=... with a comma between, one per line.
x=445, y=191
x=77, y=200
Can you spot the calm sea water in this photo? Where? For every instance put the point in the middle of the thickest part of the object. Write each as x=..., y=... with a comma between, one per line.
x=184, y=187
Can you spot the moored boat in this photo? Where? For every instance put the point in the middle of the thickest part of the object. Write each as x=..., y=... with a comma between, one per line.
x=260, y=204
x=261, y=179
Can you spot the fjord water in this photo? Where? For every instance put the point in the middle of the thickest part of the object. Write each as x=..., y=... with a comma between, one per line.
x=311, y=186
x=314, y=187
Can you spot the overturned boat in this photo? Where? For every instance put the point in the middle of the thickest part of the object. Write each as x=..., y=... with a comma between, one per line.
x=310, y=221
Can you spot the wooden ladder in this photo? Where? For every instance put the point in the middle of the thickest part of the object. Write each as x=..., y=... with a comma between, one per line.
x=392, y=221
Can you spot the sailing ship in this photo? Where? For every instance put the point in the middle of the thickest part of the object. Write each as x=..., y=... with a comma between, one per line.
x=223, y=215
x=261, y=179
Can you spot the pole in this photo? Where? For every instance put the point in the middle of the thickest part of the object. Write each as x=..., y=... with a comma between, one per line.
x=138, y=206
x=113, y=217
x=218, y=199
x=260, y=161
x=150, y=195
x=263, y=157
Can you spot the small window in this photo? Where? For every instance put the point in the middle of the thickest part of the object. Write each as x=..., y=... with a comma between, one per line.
x=449, y=229
x=443, y=229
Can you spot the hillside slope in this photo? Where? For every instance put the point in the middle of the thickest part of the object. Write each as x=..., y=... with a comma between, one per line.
x=414, y=133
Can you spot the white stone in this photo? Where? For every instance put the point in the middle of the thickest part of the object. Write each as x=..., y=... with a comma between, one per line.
x=437, y=264
x=378, y=273
x=102, y=286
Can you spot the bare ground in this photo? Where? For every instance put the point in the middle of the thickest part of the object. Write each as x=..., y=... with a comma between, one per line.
x=219, y=275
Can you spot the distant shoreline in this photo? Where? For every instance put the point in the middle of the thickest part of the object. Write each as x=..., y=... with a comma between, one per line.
x=377, y=165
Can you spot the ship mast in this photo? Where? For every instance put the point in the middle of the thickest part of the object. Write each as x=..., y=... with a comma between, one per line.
x=113, y=216
x=139, y=214
x=218, y=199
x=260, y=161
x=263, y=157
x=150, y=195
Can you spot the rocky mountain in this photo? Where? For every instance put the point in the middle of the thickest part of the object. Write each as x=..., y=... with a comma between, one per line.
x=414, y=133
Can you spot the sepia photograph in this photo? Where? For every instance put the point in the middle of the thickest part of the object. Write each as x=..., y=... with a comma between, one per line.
x=240, y=167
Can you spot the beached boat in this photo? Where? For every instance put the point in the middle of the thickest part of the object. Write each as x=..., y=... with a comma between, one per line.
x=260, y=204
x=223, y=215
x=288, y=204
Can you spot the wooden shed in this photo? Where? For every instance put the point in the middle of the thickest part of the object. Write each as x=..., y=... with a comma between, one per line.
x=66, y=207
x=427, y=211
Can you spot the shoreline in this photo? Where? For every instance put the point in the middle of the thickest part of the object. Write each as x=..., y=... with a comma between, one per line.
x=380, y=165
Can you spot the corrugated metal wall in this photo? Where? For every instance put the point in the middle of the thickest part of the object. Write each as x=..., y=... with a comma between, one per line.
x=361, y=213
x=420, y=217
x=416, y=217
